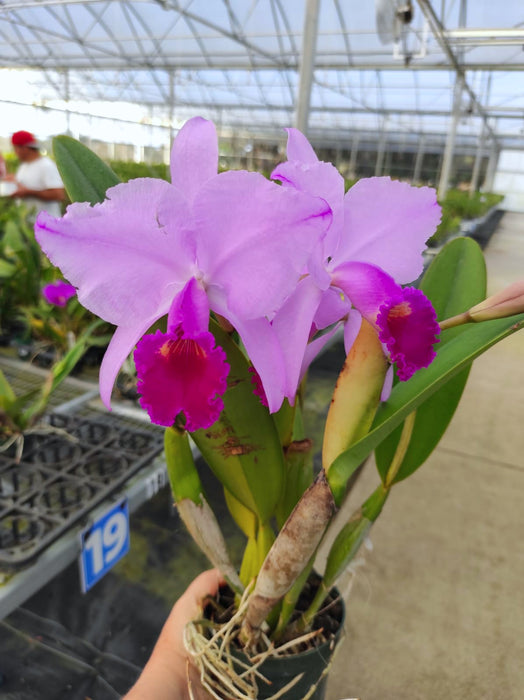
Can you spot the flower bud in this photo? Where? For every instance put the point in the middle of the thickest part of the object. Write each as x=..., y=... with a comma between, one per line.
x=508, y=302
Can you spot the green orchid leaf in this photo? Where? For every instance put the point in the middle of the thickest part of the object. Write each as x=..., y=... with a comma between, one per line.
x=299, y=475
x=249, y=567
x=86, y=177
x=243, y=447
x=454, y=282
x=7, y=395
x=246, y=520
x=284, y=420
x=344, y=548
x=60, y=371
x=452, y=358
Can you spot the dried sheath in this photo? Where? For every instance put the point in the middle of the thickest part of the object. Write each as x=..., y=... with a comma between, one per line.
x=203, y=528
x=291, y=551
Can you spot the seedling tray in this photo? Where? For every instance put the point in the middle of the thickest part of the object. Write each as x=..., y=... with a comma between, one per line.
x=67, y=469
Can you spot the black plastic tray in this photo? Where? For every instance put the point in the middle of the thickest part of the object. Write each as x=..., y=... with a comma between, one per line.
x=65, y=471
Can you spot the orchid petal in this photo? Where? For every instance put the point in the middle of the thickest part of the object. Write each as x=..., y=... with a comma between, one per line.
x=388, y=384
x=264, y=351
x=318, y=179
x=387, y=223
x=190, y=308
x=367, y=286
x=292, y=324
x=122, y=263
x=317, y=269
x=299, y=148
x=194, y=156
x=253, y=230
x=314, y=348
x=306, y=173
x=121, y=345
x=351, y=329
x=333, y=307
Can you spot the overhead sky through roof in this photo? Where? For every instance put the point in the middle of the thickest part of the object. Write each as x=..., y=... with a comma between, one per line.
x=237, y=61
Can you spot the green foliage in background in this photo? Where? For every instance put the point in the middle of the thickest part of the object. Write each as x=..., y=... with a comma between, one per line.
x=11, y=162
x=23, y=268
x=459, y=205
x=127, y=170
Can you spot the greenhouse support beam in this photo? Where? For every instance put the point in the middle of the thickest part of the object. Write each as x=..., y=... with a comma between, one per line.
x=474, y=184
x=447, y=160
x=67, y=93
x=381, y=150
x=352, y=169
x=439, y=33
x=418, y=160
x=309, y=43
x=492, y=169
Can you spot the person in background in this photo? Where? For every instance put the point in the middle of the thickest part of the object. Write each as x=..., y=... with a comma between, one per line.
x=38, y=181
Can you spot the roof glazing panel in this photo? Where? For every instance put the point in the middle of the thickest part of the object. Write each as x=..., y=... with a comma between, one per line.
x=239, y=60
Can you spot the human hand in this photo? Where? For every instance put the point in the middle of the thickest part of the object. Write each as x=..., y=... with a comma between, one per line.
x=168, y=672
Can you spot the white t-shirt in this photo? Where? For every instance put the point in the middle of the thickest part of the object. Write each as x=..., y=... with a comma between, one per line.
x=40, y=174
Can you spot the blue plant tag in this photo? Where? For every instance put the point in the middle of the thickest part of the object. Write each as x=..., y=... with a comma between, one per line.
x=103, y=544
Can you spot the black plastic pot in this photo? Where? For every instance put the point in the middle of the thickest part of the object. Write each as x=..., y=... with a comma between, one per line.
x=312, y=664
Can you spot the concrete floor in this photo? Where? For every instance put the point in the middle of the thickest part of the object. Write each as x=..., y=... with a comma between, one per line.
x=437, y=610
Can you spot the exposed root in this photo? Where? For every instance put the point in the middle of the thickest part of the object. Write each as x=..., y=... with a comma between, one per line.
x=222, y=673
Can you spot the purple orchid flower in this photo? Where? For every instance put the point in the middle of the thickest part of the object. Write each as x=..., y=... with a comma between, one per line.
x=373, y=246
x=234, y=243
x=58, y=293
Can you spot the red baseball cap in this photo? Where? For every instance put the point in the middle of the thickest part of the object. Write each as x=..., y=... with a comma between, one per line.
x=24, y=138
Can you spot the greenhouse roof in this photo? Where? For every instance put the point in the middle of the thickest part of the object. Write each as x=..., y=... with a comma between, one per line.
x=390, y=66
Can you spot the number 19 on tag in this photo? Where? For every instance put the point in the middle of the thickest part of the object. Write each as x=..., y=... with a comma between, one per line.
x=103, y=544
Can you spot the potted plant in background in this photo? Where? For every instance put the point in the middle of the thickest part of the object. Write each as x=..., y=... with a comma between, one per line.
x=20, y=414
x=242, y=281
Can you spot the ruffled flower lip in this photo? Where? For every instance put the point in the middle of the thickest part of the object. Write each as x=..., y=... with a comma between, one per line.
x=408, y=328
x=181, y=378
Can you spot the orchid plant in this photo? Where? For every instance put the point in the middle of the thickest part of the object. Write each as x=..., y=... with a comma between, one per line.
x=228, y=285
